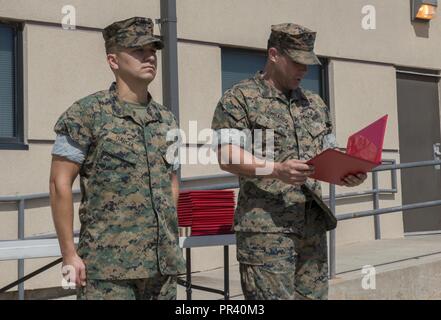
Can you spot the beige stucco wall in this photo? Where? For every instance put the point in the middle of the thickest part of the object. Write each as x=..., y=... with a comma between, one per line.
x=94, y=14
x=8, y=273
x=395, y=40
x=55, y=79
x=338, y=23
x=200, y=85
x=25, y=171
x=360, y=94
x=63, y=66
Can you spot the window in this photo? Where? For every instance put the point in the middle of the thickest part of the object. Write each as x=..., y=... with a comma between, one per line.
x=239, y=64
x=11, y=92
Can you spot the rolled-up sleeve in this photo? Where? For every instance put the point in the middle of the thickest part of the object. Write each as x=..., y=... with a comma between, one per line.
x=76, y=123
x=65, y=147
x=230, y=121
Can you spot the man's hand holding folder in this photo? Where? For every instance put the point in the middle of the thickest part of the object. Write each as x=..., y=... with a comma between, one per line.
x=297, y=171
x=292, y=171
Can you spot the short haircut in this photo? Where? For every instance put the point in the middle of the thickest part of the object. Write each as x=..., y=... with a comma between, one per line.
x=112, y=49
x=272, y=44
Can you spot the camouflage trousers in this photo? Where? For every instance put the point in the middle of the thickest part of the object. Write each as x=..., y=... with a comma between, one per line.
x=285, y=266
x=157, y=288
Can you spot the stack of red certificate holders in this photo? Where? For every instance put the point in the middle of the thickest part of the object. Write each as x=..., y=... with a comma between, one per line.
x=207, y=212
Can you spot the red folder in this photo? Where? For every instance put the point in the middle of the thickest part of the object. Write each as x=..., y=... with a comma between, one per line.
x=207, y=212
x=363, y=153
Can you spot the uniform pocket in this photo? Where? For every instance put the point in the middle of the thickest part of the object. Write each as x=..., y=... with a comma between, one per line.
x=263, y=122
x=272, y=252
x=272, y=139
x=316, y=129
x=115, y=161
x=119, y=151
x=275, y=261
x=255, y=257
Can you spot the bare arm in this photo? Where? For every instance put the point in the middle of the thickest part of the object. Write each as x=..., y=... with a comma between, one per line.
x=240, y=162
x=62, y=176
x=175, y=187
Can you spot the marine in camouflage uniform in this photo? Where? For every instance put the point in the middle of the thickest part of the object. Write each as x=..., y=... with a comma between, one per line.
x=129, y=229
x=281, y=234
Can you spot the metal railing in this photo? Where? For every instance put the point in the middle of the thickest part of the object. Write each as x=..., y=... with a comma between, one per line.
x=190, y=183
x=199, y=183
x=376, y=212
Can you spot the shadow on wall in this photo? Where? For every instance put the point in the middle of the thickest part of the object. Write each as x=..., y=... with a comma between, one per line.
x=421, y=28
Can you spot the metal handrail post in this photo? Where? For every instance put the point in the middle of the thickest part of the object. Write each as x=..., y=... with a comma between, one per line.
x=376, y=202
x=21, y=234
x=332, y=235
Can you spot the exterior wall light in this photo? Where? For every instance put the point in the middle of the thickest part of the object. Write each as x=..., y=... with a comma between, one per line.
x=424, y=10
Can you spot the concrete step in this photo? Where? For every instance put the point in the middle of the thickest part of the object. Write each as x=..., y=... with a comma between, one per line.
x=408, y=268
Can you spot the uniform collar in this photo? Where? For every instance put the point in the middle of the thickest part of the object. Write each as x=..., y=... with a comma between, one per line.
x=122, y=110
x=269, y=91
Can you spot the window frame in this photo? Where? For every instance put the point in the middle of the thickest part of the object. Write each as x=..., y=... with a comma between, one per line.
x=17, y=142
x=324, y=81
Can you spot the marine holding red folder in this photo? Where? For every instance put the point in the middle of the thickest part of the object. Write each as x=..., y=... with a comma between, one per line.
x=280, y=220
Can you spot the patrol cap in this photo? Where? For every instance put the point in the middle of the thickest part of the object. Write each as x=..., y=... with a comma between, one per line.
x=296, y=41
x=131, y=33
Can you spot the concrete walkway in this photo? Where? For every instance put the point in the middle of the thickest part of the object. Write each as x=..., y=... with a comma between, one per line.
x=408, y=268
x=214, y=279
